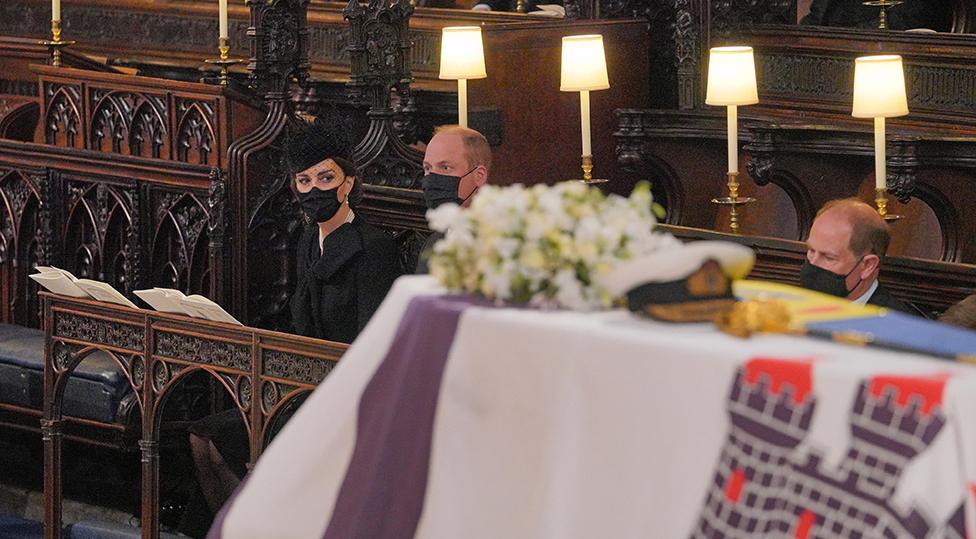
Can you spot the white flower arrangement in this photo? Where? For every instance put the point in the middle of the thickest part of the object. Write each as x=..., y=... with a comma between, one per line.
x=542, y=245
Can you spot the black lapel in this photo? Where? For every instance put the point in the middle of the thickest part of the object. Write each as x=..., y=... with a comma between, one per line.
x=340, y=246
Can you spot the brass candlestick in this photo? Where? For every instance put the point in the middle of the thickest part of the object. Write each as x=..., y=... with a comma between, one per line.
x=224, y=62
x=587, y=166
x=884, y=5
x=881, y=202
x=55, y=44
x=733, y=201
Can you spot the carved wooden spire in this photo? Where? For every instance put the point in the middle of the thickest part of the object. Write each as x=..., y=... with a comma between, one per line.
x=379, y=48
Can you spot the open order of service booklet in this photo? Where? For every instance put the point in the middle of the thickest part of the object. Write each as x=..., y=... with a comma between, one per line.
x=63, y=282
x=165, y=300
x=168, y=300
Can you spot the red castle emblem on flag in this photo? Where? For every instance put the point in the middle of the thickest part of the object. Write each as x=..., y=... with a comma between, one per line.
x=764, y=487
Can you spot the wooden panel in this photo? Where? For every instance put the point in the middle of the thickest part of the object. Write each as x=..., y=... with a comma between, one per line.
x=533, y=127
x=811, y=70
x=142, y=116
x=793, y=169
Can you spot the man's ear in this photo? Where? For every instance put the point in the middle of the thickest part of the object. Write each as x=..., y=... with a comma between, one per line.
x=871, y=264
x=480, y=175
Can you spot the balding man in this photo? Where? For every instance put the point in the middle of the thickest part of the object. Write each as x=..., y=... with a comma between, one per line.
x=456, y=164
x=847, y=242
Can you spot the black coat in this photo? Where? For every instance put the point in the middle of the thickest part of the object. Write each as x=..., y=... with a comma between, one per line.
x=339, y=291
x=883, y=298
x=423, y=260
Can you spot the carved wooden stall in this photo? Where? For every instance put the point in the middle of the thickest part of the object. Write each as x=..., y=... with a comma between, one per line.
x=262, y=372
x=124, y=185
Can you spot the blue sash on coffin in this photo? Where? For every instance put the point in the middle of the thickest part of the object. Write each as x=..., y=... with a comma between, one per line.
x=901, y=332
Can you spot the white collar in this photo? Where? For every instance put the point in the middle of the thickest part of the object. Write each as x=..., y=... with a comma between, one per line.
x=865, y=297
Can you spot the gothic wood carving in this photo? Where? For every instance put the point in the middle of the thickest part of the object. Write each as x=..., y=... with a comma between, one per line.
x=690, y=38
x=295, y=367
x=129, y=123
x=129, y=116
x=63, y=124
x=181, y=255
x=195, y=132
x=216, y=226
x=202, y=351
x=279, y=51
x=728, y=16
x=379, y=47
x=279, y=44
x=98, y=331
x=24, y=242
x=97, y=232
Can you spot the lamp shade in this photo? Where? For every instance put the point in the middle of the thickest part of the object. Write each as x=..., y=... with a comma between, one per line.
x=879, y=87
x=731, y=77
x=462, y=53
x=584, y=65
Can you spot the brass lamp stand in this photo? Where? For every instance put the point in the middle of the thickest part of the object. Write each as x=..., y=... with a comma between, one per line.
x=733, y=201
x=55, y=44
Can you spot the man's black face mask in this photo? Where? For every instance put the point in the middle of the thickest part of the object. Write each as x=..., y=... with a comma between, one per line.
x=441, y=189
x=821, y=280
x=320, y=205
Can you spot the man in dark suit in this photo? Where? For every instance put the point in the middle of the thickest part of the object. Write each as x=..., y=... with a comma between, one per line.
x=932, y=14
x=456, y=165
x=847, y=242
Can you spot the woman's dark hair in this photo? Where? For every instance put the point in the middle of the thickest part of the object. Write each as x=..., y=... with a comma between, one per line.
x=349, y=169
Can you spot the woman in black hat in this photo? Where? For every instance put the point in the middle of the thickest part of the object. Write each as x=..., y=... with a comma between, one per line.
x=345, y=267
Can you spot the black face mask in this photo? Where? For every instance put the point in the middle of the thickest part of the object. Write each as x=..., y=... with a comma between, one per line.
x=821, y=280
x=441, y=189
x=320, y=205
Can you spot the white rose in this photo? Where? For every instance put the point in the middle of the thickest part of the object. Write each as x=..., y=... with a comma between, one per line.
x=443, y=217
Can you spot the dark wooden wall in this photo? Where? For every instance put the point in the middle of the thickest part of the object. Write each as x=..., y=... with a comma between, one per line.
x=533, y=127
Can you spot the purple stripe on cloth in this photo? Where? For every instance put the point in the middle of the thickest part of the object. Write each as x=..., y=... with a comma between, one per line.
x=382, y=495
x=217, y=528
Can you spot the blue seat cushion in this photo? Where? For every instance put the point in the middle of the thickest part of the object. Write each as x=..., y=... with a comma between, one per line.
x=12, y=527
x=95, y=388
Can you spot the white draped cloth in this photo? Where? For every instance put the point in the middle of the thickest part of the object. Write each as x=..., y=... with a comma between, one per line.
x=554, y=424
